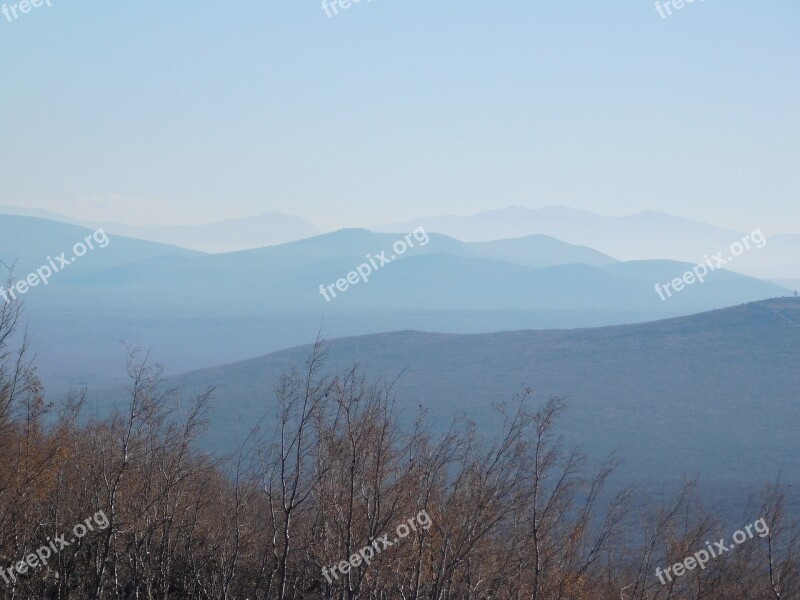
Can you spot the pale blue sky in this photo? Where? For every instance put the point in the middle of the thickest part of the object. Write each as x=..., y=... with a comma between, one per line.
x=169, y=112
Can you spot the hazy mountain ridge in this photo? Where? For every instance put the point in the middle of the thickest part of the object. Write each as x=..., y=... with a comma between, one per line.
x=644, y=235
x=228, y=235
x=28, y=241
x=443, y=274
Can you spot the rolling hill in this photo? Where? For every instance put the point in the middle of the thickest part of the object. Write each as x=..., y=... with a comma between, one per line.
x=715, y=394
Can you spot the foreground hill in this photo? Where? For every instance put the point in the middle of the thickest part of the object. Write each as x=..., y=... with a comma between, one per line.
x=715, y=394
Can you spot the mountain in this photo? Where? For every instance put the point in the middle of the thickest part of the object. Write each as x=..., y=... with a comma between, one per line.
x=198, y=310
x=226, y=236
x=438, y=275
x=27, y=242
x=645, y=235
x=37, y=213
x=221, y=236
x=715, y=394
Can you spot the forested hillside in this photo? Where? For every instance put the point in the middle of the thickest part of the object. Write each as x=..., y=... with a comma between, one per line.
x=331, y=498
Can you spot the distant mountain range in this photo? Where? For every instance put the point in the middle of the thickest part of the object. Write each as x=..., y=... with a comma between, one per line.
x=222, y=236
x=200, y=309
x=645, y=235
x=715, y=394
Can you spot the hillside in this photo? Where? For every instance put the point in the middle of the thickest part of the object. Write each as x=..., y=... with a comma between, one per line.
x=715, y=394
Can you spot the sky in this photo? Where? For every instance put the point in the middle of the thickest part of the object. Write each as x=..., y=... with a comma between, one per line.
x=188, y=112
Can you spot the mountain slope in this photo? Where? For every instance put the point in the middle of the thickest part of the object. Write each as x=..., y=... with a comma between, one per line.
x=716, y=394
x=222, y=236
x=28, y=241
x=645, y=235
